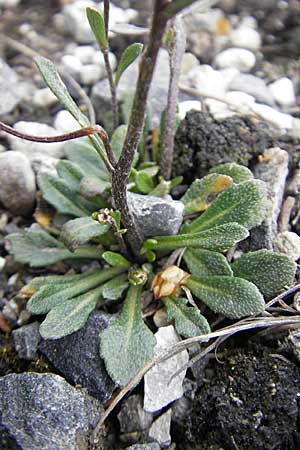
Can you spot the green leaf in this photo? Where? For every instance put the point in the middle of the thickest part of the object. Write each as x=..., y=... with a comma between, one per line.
x=144, y=182
x=91, y=187
x=59, y=195
x=219, y=238
x=117, y=140
x=205, y=262
x=55, y=83
x=128, y=57
x=70, y=173
x=50, y=296
x=127, y=343
x=189, y=322
x=78, y=231
x=115, y=259
x=113, y=289
x=69, y=316
x=197, y=196
x=237, y=172
x=38, y=249
x=55, y=280
x=243, y=203
x=97, y=25
x=269, y=271
x=233, y=297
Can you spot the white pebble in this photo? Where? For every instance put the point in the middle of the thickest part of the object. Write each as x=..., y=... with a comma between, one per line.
x=185, y=107
x=283, y=91
x=85, y=53
x=189, y=62
x=238, y=58
x=245, y=38
x=72, y=64
x=276, y=118
x=91, y=73
x=64, y=121
x=288, y=243
x=44, y=98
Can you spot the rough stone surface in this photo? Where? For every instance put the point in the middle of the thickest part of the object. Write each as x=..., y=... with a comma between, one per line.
x=77, y=357
x=42, y=411
x=160, y=390
x=160, y=429
x=155, y=215
x=273, y=170
x=17, y=187
x=202, y=142
x=132, y=417
x=148, y=446
x=288, y=243
x=26, y=340
x=30, y=149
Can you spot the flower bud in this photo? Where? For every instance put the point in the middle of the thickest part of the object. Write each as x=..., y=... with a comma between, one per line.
x=168, y=282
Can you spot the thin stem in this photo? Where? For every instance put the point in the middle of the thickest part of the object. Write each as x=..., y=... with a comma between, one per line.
x=176, y=49
x=106, y=16
x=135, y=127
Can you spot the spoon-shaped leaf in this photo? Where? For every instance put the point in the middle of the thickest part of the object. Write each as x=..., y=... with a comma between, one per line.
x=205, y=262
x=237, y=172
x=128, y=57
x=97, y=25
x=78, y=231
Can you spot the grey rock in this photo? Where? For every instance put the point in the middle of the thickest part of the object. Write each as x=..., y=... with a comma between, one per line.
x=161, y=387
x=42, y=411
x=293, y=186
x=132, y=417
x=252, y=85
x=288, y=243
x=26, y=340
x=17, y=187
x=30, y=149
x=160, y=429
x=77, y=357
x=238, y=58
x=155, y=215
x=148, y=446
x=157, y=98
x=11, y=89
x=273, y=171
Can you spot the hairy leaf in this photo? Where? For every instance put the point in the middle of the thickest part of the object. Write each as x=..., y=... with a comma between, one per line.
x=196, y=198
x=78, y=231
x=55, y=83
x=128, y=57
x=116, y=259
x=37, y=248
x=205, y=262
x=71, y=315
x=113, y=289
x=233, y=297
x=218, y=238
x=97, y=25
x=117, y=140
x=144, y=182
x=50, y=296
x=70, y=173
x=243, y=203
x=237, y=172
x=127, y=343
x=189, y=322
x=269, y=271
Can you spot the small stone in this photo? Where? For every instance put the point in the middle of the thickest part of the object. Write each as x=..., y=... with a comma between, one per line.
x=11, y=311
x=26, y=340
x=156, y=216
x=44, y=98
x=161, y=388
x=84, y=53
x=132, y=417
x=44, y=164
x=160, y=429
x=273, y=170
x=283, y=91
x=64, y=121
x=160, y=318
x=238, y=58
x=10, y=88
x=30, y=149
x=288, y=243
x=17, y=188
x=210, y=81
x=245, y=37
x=42, y=411
x=252, y=85
x=9, y=3
x=276, y=118
x=148, y=446
x=91, y=73
x=77, y=357
x=72, y=64
x=2, y=263
x=189, y=62
x=185, y=107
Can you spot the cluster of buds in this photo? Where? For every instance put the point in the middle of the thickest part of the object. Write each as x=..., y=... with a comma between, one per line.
x=168, y=282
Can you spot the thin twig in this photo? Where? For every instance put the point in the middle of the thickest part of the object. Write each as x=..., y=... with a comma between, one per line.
x=244, y=325
x=176, y=49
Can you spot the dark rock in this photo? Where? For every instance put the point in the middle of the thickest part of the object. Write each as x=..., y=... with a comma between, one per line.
x=26, y=340
x=202, y=142
x=148, y=446
x=132, y=417
x=156, y=216
x=77, y=357
x=42, y=411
